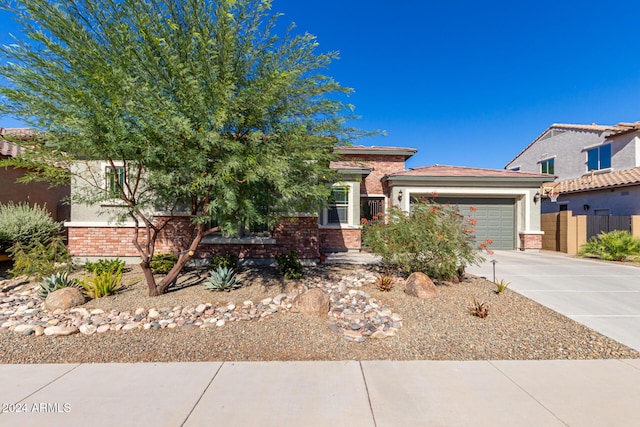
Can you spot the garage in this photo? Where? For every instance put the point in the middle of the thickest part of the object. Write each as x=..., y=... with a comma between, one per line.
x=496, y=219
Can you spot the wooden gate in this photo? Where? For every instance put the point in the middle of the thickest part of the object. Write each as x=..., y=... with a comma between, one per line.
x=597, y=224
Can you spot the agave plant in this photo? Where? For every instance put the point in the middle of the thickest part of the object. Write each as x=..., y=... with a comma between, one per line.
x=222, y=279
x=56, y=281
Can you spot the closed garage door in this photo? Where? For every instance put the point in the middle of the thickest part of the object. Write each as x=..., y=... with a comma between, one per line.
x=496, y=219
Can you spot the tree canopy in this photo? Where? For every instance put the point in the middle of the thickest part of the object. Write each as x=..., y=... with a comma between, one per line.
x=209, y=105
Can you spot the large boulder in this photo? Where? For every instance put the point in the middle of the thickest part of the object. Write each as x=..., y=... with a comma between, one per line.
x=314, y=302
x=419, y=285
x=64, y=299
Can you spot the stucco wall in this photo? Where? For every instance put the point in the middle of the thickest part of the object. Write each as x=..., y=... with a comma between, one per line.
x=619, y=201
x=567, y=150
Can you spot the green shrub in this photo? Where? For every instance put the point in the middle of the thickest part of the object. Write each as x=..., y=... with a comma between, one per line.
x=616, y=245
x=40, y=259
x=56, y=281
x=222, y=279
x=25, y=225
x=434, y=239
x=102, y=283
x=227, y=259
x=104, y=265
x=162, y=264
x=290, y=265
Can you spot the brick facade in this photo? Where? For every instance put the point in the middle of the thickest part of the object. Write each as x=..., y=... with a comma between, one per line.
x=340, y=240
x=299, y=233
x=531, y=241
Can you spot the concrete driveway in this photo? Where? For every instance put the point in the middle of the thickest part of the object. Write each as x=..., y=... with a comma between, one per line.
x=602, y=296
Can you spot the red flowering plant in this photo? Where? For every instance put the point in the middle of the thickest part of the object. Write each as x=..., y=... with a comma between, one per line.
x=433, y=238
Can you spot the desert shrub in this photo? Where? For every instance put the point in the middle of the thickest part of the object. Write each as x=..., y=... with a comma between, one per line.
x=385, y=282
x=227, y=259
x=478, y=308
x=162, y=264
x=102, y=283
x=290, y=265
x=40, y=259
x=222, y=279
x=433, y=238
x=25, y=225
x=104, y=265
x=502, y=286
x=56, y=281
x=616, y=245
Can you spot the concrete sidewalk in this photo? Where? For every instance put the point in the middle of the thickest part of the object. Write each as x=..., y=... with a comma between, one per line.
x=350, y=393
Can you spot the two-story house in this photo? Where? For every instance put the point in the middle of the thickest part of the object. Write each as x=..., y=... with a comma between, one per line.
x=593, y=169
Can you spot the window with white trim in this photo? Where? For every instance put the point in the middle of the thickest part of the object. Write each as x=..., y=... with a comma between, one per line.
x=113, y=178
x=599, y=157
x=338, y=210
x=547, y=166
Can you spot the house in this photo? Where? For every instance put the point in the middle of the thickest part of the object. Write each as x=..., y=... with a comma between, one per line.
x=34, y=193
x=593, y=169
x=371, y=179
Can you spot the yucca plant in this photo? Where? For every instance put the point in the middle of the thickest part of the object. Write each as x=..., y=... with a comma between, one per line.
x=103, y=283
x=480, y=309
x=385, y=282
x=55, y=282
x=222, y=279
x=502, y=285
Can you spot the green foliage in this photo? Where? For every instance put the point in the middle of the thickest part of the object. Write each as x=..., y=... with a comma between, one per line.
x=227, y=259
x=23, y=224
x=56, y=281
x=104, y=265
x=615, y=246
x=479, y=309
x=40, y=259
x=290, y=265
x=434, y=239
x=385, y=282
x=198, y=98
x=502, y=286
x=222, y=279
x=162, y=264
x=102, y=283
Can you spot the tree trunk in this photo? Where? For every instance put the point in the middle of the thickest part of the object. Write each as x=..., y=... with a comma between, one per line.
x=148, y=277
x=164, y=285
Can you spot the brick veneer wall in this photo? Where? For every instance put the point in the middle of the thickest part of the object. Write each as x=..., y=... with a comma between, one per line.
x=299, y=233
x=382, y=165
x=338, y=240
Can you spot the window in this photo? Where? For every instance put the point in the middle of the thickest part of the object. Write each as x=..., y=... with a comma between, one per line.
x=547, y=166
x=599, y=158
x=113, y=177
x=338, y=208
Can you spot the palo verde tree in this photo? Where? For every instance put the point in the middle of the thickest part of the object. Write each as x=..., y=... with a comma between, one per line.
x=206, y=106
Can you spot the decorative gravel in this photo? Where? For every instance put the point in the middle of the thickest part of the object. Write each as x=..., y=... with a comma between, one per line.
x=439, y=329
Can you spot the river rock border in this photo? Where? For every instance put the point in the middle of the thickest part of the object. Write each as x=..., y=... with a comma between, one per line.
x=354, y=314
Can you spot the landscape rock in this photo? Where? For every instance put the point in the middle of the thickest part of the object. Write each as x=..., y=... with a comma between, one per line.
x=63, y=299
x=60, y=331
x=419, y=285
x=314, y=302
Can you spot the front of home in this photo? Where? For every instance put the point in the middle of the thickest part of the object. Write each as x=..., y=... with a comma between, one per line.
x=371, y=180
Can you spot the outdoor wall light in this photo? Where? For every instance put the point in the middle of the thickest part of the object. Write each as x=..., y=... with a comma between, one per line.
x=536, y=197
x=586, y=207
x=400, y=195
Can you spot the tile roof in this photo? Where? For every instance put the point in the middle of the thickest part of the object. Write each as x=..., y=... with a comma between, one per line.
x=615, y=129
x=10, y=148
x=351, y=165
x=363, y=149
x=598, y=181
x=463, y=171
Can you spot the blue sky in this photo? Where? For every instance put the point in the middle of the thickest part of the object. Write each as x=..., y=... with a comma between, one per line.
x=472, y=83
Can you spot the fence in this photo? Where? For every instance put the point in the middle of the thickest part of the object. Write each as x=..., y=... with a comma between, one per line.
x=566, y=233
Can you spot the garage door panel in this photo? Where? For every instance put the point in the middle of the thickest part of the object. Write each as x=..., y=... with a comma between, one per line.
x=495, y=219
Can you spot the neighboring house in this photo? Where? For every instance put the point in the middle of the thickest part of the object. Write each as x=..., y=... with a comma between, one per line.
x=596, y=168
x=371, y=180
x=34, y=192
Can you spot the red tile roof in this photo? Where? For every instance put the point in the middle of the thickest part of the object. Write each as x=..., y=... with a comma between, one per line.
x=10, y=148
x=466, y=172
x=598, y=181
x=351, y=165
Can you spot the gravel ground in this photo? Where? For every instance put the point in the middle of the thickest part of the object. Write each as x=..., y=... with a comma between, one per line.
x=440, y=329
